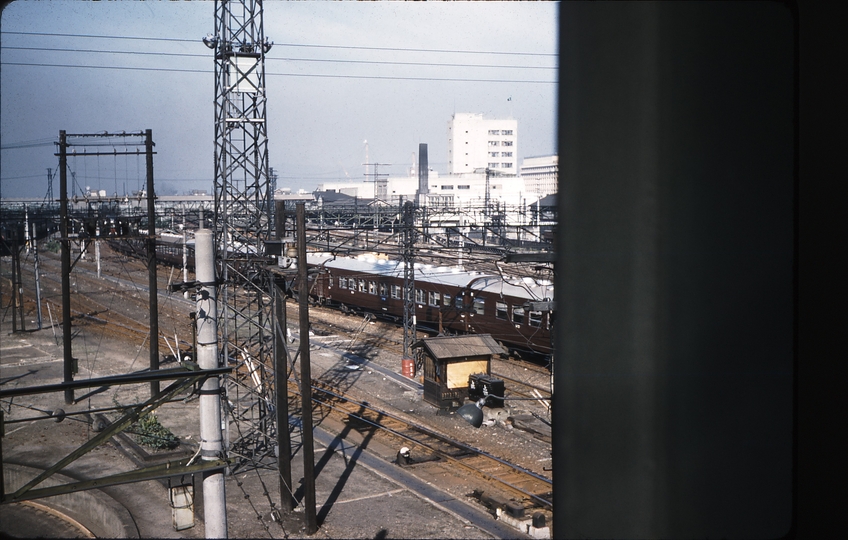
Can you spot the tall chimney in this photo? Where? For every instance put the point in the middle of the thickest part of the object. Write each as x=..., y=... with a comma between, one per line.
x=423, y=168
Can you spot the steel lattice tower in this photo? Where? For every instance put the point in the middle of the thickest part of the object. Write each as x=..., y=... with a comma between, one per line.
x=243, y=216
x=408, y=224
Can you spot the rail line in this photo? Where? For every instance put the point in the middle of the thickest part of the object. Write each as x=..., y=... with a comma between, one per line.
x=488, y=472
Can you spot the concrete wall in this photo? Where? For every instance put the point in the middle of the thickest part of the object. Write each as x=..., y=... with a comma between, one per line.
x=102, y=515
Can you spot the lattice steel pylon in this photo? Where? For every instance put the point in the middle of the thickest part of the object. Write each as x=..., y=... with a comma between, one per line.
x=243, y=220
x=409, y=237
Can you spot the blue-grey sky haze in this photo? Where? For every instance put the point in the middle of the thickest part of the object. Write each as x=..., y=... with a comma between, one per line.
x=329, y=88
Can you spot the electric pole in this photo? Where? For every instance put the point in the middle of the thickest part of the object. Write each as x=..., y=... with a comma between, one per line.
x=242, y=218
x=408, y=224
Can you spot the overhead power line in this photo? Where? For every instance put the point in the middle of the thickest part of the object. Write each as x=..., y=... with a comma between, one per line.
x=28, y=144
x=308, y=45
x=284, y=59
x=207, y=71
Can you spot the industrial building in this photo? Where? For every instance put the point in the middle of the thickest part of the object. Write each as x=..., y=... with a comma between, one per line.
x=540, y=174
x=475, y=142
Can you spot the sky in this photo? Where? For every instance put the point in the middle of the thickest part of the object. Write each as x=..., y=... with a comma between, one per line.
x=339, y=74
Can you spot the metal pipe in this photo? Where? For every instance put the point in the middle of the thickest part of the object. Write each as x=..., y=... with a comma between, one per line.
x=211, y=439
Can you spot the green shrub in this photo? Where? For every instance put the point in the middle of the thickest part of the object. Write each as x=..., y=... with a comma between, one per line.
x=149, y=432
x=153, y=434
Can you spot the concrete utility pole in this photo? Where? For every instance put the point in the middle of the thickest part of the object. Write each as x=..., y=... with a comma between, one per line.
x=211, y=440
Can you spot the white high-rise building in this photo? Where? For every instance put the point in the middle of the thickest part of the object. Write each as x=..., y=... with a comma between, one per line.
x=540, y=174
x=475, y=142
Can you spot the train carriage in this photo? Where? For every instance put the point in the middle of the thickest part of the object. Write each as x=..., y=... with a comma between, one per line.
x=447, y=300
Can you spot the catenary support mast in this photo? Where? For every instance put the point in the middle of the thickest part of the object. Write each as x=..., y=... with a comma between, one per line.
x=242, y=222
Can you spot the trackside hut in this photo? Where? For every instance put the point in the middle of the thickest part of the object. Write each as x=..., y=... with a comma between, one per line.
x=449, y=361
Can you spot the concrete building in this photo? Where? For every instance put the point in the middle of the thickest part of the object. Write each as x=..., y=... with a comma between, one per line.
x=540, y=174
x=452, y=190
x=475, y=142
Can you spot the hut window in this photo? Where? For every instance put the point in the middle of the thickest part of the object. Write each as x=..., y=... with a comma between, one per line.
x=430, y=372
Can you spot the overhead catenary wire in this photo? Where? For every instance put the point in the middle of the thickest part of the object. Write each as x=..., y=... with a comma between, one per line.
x=324, y=76
x=273, y=59
x=283, y=59
x=309, y=45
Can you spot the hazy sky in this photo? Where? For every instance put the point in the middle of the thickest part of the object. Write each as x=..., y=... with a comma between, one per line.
x=334, y=80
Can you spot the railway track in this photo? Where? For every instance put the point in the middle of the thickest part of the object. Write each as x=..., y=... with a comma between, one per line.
x=483, y=474
x=116, y=317
x=362, y=339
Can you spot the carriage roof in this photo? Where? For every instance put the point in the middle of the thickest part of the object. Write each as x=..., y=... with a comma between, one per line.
x=451, y=276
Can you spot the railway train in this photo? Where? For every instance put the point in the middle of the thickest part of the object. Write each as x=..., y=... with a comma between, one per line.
x=448, y=300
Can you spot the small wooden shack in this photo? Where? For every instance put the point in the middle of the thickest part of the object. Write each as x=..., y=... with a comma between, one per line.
x=449, y=361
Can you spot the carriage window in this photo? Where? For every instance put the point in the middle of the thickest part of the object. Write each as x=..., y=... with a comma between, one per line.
x=372, y=287
x=500, y=310
x=433, y=298
x=419, y=295
x=384, y=289
x=361, y=284
x=395, y=291
x=459, y=301
x=480, y=306
x=518, y=315
x=536, y=318
x=446, y=300
x=342, y=282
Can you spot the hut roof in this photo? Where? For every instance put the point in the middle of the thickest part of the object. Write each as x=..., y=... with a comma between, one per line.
x=447, y=347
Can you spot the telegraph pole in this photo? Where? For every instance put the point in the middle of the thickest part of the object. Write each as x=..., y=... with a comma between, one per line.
x=281, y=363
x=151, y=262
x=68, y=365
x=305, y=376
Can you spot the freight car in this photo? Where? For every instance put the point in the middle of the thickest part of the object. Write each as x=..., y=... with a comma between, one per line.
x=447, y=300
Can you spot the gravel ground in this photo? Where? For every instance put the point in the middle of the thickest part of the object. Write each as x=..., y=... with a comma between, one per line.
x=514, y=445
x=99, y=347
